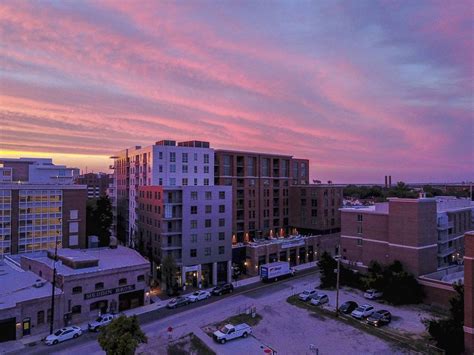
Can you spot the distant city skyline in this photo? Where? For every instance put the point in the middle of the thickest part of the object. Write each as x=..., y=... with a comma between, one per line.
x=363, y=89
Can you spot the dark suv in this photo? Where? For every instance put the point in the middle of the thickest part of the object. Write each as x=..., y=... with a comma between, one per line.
x=221, y=289
x=348, y=307
x=379, y=318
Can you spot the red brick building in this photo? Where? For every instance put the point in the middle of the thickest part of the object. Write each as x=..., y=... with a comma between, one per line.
x=424, y=234
x=260, y=188
x=469, y=293
x=97, y=183
x=314, y=209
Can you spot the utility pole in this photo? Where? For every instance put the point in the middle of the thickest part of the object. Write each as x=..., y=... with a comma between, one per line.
x=337, y=280
x=51, y=323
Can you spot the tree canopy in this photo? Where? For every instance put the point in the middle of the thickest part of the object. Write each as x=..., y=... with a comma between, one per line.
x=99, y=219
x=448, y=333
x=122, y=336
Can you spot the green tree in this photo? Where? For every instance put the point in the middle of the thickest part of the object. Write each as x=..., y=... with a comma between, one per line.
x=401, y=190
x=99, y=219
x=122, y=336
x=448, y=333
x=168, y=271
x=327, y=264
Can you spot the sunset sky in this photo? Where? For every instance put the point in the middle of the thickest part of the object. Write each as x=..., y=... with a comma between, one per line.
x=361, y=88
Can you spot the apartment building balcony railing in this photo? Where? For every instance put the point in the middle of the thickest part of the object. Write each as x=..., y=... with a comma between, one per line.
x=445, y=226
x=445, y=251
x=444, y=236
x=177, y=215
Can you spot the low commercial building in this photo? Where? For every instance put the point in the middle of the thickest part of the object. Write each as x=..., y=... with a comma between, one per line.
x=93, y=280
x=425, y=234
x=192, y=224
x=296, y=249
x=25, y=303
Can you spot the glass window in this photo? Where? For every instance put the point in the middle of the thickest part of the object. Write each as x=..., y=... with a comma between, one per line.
x=99, y=286
x=76, y=309
x=122, y=281
x=140, y=278
x=76, y=290
x=193, y=253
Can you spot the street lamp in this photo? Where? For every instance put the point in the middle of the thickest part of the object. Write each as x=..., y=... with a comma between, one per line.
x=51, y=323
x=337, y=280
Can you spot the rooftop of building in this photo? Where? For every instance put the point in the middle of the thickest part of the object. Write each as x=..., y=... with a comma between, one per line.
x=450, y=275
x=81, y=261
x=443, y=204
x=245, y=152
x=21, y=185
x=319, y=185
x=19, y=286
x=292, y=239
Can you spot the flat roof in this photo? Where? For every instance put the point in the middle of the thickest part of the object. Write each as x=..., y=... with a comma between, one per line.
x=32, y=186
x=17, y=286
x=104, y=258
x=280, y=240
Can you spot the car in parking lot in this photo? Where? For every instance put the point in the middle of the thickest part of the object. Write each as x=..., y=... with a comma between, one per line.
x=373, y=294
x=379, y=318
x=348, y=307
x=306, y=294
x=319, y=299
x=363, y=311
x=63, y=334
x=178, y=302
x=198, y=296
x=100, y=322
x=221, y=289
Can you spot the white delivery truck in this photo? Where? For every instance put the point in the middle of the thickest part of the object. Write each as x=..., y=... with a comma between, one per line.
x=275, y=271
x=229, y=332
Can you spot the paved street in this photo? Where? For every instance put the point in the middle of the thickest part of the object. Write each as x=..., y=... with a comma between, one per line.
x=285, y=328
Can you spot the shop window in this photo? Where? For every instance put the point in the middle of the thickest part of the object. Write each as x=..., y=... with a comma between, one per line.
x=76, y=309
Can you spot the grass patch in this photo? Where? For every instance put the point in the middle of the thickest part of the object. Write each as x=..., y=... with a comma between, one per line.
x=390, y=334
x=189, y=344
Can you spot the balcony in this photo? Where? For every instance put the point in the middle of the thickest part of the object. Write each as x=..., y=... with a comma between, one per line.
x=445, y=251
x=445, y=226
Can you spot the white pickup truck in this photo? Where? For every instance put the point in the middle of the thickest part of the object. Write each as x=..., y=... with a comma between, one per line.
x=229, y=332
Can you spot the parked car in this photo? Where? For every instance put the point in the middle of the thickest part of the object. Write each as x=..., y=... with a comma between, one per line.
x=221, y=289
x=363, y=311
x=177, y=302
x=306, y=294
x=319, y=299
x=229, y=332
x=379, y=318
x=63, y=334
x=348, y=307
x=100, y=322
x=373, y=294
x=198, y=296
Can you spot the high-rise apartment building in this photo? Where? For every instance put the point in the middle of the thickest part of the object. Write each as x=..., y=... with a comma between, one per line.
x=163, y=164
x=424, y=233
x=39, y=206
x=260, y=190
x=314, y=209
x=193, y=225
